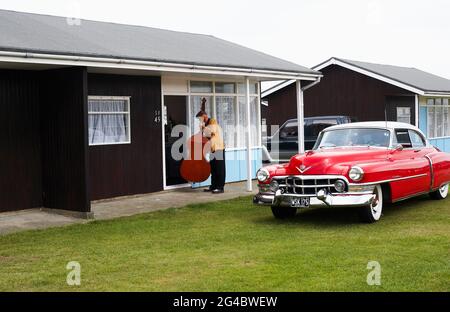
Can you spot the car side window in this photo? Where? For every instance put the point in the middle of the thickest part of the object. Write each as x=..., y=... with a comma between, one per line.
x=417, y=140
x=315, y=126
x=289, y=130
x=403, y=138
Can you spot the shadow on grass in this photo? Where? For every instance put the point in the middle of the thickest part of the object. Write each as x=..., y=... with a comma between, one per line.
x=328, y=217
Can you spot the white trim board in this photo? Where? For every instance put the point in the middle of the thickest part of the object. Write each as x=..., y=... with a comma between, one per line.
x=68, y=60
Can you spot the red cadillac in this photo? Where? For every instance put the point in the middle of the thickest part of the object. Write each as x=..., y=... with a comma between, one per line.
x=362, y=165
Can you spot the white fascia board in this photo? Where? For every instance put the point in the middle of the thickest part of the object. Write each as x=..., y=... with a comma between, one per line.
x=393, y=82
x=67, y=60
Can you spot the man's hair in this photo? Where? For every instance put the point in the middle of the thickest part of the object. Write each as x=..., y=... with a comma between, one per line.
x=201, y=113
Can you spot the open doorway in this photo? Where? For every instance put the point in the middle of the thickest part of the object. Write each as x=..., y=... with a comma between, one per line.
x=176, y=113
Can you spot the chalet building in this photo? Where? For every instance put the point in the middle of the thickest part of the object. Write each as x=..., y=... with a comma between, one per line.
x=369, y=92
x=87, y=108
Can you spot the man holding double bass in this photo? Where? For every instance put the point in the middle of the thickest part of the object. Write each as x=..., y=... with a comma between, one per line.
x=212, y=131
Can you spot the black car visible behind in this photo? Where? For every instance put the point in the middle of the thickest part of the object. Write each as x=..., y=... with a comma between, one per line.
x=287, y=135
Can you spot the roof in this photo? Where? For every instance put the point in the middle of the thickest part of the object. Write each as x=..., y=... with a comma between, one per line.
x=375, y=124
x=408, y=78
x=35, y=33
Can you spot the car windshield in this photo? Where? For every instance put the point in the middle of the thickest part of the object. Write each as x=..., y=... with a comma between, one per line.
x=353, y=137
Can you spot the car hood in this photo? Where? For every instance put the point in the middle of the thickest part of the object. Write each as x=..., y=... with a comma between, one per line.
x=334, y=160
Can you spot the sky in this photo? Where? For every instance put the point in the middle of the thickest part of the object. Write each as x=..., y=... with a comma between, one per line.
x=399, y=32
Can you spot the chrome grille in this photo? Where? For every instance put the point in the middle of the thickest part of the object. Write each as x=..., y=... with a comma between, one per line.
x=304, y=185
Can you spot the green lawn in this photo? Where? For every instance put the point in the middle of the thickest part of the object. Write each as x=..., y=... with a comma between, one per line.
x=235, y=246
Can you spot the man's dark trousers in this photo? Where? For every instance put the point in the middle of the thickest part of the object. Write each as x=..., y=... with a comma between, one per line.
x=218, y=170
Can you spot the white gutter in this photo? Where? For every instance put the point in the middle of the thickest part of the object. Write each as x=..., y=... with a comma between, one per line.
x=54, y=59
x=287, y=83
x=312, y=84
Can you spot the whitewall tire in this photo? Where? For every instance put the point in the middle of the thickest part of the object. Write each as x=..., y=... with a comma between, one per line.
x=373, y=212
x=441, y=193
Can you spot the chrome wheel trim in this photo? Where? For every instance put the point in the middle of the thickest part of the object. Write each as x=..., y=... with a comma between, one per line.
x=444, y=191
x=376, y=207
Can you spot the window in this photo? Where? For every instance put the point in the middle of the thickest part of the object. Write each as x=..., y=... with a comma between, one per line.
x=201, y=87
x=109, y=120
x=226, y=117
x=253, y=88
x=290, y=130
x=224, y=101
x=254, y=123
x=438, y=118
x=225, y=87
x=314, y=126
x=354, y=137
x=403, y=138
x=404, y=114
x=417, y=140
x=196, y=105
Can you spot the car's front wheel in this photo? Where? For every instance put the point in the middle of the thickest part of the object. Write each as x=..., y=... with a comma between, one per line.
x=441, y=193
x=372, y=213
x=283, y=212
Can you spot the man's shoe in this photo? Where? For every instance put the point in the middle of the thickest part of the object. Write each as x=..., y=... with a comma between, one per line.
x=217, y=191
x=208, y=190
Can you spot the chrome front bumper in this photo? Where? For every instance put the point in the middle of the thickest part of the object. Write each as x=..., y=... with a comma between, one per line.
x=320, y=200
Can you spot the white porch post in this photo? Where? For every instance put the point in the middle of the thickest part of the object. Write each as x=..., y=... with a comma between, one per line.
x=300, y=118
x=416, y=108
x=249, y=148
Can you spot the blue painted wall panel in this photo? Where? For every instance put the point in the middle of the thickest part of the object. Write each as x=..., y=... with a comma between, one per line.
x=442, y=144
x=236, y=166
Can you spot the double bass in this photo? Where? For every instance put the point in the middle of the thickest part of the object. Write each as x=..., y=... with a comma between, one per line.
x=195, y=167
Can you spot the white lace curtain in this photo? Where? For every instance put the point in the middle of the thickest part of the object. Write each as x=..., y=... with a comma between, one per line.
x=108, y=121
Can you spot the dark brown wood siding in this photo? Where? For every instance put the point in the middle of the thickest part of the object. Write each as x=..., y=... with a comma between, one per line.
x=282, y=106
x=20, y=153
x=345, y=92
x=340, y=92
x=136, y=168
x=64, y=139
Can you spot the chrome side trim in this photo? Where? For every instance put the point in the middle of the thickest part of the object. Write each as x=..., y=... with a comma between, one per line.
x=390, y=180
x=431, y=171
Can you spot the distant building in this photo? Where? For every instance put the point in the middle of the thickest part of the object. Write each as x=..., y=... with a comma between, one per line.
x=369, y=92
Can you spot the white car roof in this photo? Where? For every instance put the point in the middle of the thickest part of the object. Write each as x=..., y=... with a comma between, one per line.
x=375, y=124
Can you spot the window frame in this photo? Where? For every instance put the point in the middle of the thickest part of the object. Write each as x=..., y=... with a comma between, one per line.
x=127, y=99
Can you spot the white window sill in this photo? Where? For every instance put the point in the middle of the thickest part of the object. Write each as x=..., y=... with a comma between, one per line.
x=112, y=143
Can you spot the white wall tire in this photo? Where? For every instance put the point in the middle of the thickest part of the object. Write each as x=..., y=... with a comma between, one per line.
x=373, y=212
x=441, y=193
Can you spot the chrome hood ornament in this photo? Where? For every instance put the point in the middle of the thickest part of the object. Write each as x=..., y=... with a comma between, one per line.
x=302, y=169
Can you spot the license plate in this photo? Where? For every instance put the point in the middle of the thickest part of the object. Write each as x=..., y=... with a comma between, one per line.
x=300, y=202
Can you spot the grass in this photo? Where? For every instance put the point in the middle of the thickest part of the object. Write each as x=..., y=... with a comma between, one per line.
x=234, y=246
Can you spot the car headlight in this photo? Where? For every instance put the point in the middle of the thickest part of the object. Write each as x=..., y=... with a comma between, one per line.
x=262, y=175
x=356, y=174
x=340, y=186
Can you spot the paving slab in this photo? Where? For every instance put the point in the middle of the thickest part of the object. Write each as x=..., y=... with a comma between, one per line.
x=32, y=219
x=128, y=206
